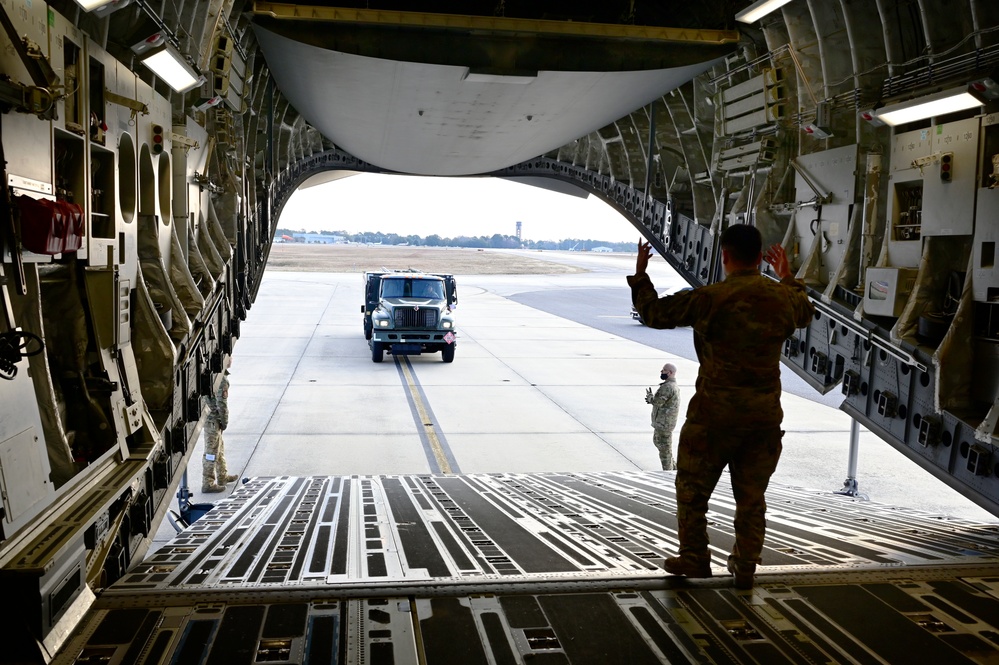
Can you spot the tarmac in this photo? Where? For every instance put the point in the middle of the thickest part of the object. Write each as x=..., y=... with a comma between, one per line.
x=529, y=391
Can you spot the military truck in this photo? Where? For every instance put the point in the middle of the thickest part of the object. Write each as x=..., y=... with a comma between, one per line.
x=408, y=312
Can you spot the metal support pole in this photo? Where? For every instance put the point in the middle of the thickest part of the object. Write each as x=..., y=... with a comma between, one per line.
x=850, y=485
x=266, y=224
x=851, y=465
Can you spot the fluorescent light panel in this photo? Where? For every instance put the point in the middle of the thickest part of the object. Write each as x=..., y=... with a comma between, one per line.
x=91, y=5
x=759, y=9
x=170, y=66
x=931, y=106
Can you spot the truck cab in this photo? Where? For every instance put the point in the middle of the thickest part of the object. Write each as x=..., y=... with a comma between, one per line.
x=408, y=312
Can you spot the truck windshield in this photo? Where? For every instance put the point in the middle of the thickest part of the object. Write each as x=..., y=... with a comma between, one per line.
x=413, y=288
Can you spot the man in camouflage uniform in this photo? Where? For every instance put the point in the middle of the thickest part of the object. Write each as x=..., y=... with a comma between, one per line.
x=665, y=407
x=734, y=417
x=214, y=472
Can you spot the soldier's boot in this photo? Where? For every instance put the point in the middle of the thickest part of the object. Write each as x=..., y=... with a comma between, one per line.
x=212, y=488
x=688, y=566
x=231, y=478
x=743, y=573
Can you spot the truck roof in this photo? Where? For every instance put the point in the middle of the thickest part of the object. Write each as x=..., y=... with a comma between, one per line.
x=410, y=275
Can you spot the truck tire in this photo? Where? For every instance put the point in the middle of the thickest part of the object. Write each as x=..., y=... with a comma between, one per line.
x=447, y=353
x=377, y=352
x=367, y=328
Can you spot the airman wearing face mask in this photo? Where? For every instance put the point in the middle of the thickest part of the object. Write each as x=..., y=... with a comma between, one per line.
x=665, y=408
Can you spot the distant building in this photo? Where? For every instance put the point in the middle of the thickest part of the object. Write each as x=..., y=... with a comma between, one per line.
x=602, y=249
x=318, y=239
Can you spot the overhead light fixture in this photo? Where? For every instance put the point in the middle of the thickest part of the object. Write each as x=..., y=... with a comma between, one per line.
x=91, y=5
x=821, y=127
x=759, y=9
x=930, y=106
x=987, y=86
x=818, y=131
x=871, y=116
x=162, y=59
x=102, y=8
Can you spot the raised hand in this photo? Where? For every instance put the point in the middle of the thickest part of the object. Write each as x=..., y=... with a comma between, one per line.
x=777, y=258
x=644, y=254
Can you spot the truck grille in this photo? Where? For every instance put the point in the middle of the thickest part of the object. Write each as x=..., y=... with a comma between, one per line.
x=407, y=317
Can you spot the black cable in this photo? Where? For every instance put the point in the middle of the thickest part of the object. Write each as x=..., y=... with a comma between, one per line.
x=13, y=347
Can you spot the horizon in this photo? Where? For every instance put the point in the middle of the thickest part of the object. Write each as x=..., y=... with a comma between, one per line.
x=339, y=232
x=424, y=206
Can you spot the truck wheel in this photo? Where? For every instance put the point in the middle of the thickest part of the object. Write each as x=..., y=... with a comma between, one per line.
x=367, y=328
x=447, y=353
x=377, y=352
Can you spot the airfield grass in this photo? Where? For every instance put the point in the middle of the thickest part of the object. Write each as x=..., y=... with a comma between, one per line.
x=300, y=257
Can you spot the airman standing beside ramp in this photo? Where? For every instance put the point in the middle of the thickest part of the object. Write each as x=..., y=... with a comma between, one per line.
x=665, y=408
x=215, y=474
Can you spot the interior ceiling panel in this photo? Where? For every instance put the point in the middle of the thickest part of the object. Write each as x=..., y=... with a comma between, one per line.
x=448, y=119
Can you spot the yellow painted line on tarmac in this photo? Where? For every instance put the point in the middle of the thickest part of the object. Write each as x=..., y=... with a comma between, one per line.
x=428, y=425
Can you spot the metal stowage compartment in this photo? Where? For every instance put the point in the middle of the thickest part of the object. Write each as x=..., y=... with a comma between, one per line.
x=423, y=317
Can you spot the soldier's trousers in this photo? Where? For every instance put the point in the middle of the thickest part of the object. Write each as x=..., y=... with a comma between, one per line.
x=214, y=469
x=703, y=454
x=663, y=439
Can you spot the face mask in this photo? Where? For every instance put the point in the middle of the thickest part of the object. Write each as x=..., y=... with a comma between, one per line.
x=664, y=376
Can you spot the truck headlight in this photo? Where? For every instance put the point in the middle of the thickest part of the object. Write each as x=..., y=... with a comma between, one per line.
x=446, y=324
x=383, y=323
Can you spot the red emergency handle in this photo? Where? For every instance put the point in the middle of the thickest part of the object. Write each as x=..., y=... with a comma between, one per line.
x=50, y=227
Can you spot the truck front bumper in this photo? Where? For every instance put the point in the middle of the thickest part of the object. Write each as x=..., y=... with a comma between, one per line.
x=412, y=342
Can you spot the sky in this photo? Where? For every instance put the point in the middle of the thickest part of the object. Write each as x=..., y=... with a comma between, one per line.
x=451, y=207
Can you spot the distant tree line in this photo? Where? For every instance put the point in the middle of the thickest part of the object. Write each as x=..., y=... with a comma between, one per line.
x=495, y=241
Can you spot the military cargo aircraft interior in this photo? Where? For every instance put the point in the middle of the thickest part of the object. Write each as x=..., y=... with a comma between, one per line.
x=149, y=149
